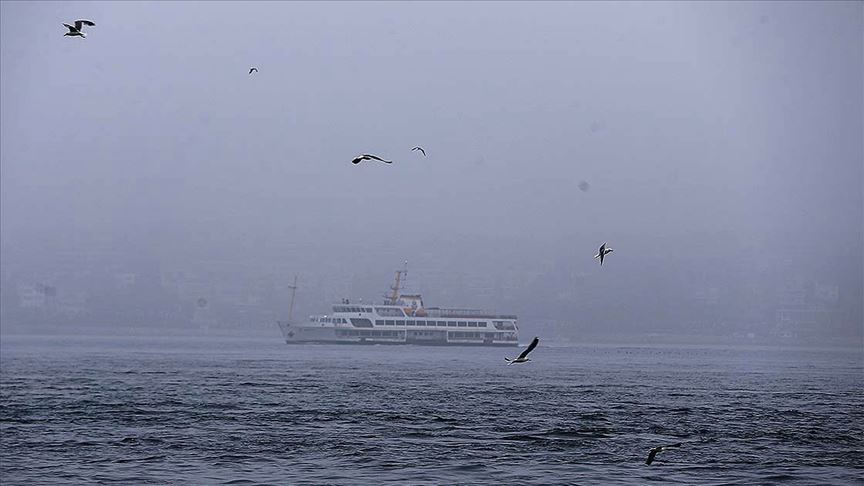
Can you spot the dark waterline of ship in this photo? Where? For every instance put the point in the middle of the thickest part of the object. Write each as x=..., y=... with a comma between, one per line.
x=222, y=411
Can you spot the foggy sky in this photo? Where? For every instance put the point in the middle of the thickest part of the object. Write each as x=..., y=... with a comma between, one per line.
x=714, y=136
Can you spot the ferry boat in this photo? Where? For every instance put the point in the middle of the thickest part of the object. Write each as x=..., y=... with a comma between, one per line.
x=401, y=319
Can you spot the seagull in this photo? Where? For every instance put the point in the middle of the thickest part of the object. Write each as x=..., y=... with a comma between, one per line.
x=524, y=356
x=253, y=69
x=420, y=149
x=653, y=452
x=76, y=29
x=602, y=252
x=363, y=157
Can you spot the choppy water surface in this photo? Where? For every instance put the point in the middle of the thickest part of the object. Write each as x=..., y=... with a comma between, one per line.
x=237, y=412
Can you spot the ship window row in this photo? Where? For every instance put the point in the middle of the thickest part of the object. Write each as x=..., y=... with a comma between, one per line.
x=353, y=333
x=351, y=308
x=332, y=320
x=388, y=322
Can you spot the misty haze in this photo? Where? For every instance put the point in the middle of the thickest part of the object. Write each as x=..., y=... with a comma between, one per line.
x=165, y=181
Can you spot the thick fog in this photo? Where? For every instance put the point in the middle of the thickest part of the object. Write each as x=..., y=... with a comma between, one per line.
x=717, y=147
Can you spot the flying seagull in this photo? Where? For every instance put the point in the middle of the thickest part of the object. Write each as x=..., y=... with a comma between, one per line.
x=653, y=452
x=363, y=157
x=420, y=149
x=253, y=69
x=602, y=252
x=524, y=356
x=76, y=29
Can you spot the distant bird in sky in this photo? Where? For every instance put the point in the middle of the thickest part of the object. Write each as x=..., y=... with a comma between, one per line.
x=653, y=452
x=602, y=252
x=75, y=31
x=253, y=69
x=420, y=149
x=584, y=186
x=363, y=157
x=524, y=356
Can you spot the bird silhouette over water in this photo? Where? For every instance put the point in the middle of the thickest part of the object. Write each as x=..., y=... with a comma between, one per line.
x=602, y=252
x=253, y=69
x=524, y=356
x=363, y=157
x=653, y=452
x=75, y=30
x=420, y=149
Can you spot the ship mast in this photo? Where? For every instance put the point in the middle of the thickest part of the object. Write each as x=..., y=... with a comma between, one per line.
x=393, y=298
x=293, y=291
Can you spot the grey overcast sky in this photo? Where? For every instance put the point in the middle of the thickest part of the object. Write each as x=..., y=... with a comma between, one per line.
x=730, y=130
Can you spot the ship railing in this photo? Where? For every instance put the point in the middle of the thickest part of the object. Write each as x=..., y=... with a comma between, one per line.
x=438, y=312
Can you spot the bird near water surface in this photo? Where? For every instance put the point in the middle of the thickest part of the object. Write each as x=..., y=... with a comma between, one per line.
x=653, y=452
x=524, y=356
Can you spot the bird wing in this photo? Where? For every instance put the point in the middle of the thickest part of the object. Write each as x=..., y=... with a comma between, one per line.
x=529, y=348
x=357, y=160
x=71, y=28
x=79, y=23
x=420, y=149
x=253, y=69
x=651, y=454
x=377, y=158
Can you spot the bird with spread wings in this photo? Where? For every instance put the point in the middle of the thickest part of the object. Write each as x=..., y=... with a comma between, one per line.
x=363, y=157
x=75, y=30
x=524, y=356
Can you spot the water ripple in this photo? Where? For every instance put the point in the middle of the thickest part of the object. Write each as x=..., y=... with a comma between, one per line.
x=263, y=413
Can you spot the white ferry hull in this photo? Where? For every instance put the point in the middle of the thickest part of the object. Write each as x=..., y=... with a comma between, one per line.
x=309, y=334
